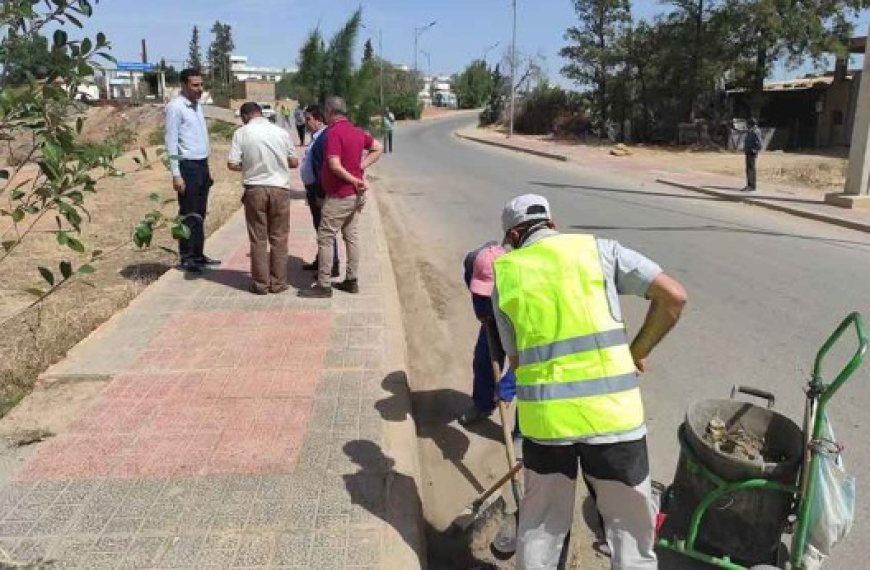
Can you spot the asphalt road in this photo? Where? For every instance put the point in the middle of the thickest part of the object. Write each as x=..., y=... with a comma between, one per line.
x=765, y=290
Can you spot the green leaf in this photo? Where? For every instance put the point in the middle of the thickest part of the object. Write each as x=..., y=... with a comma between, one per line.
x=96, y=253
x=60, y=38
x=62, y=238
x=65, y=269
x=4, y=174
x=86, y=45
x=154, y=197
x=17, y=194
x=144, y=153
x=35, y=292
x=168, y=250
x=76, y=245
x=74, y=20
x=180, y=231
x=17, y=215
x=101, y=39
x=8, y=245
x=86, y=270
x=47, y=275
x=80, y=122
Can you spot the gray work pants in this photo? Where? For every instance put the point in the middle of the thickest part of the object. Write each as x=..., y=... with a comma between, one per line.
x=619, y=475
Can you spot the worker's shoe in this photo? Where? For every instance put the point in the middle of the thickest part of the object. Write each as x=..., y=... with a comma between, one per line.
x=747, y=189
x=206, y=260
x=473, y=415
x=317, y=292
x=190, y=266
x=258, y=290
x=348, y=286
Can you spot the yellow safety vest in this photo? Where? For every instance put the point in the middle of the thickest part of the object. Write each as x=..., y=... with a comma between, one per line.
x=576, y=377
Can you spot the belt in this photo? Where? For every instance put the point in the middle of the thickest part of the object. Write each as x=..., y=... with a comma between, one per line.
x=196, y=160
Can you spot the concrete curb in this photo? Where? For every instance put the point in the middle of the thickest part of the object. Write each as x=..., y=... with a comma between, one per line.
x=400, y=438
x=541, y=153
x=817, y=216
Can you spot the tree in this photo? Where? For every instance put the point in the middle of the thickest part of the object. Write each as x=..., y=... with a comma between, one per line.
x=499, y=94
x=56, y=170
x=339, y=57
x=594, y=53
x=368, y=51
x=30, y=56
x=169, y=72
x=308, y=83
x=194, y=55
x=219, y=52
x=794, y=30
x=474, y=85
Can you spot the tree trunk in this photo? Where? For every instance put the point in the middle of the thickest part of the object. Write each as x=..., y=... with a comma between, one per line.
x=696, y=61
x=757, y=93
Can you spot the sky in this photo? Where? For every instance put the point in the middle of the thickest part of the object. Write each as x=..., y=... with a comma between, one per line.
x=270, y=32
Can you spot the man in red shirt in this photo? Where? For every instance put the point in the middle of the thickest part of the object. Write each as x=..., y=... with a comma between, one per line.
x=343, y=181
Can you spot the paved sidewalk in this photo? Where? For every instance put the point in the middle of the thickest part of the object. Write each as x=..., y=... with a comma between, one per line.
x=803, y=202
x=238, y=431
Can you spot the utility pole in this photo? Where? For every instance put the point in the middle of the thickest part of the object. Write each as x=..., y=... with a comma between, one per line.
x=417, y=33
x=513, y=67
x=381, y=58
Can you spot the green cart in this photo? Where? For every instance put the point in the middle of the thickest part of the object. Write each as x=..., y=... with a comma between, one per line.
x=751, y=506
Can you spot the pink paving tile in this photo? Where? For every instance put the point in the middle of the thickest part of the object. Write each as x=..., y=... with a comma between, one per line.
x=253, y=384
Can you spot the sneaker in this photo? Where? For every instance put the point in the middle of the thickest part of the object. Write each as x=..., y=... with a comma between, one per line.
x=473, y=415
x=747, y=189
x=348, y=286
x=316, y=292
x=278, y=289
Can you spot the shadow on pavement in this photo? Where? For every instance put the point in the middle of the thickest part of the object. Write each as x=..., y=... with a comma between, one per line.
x=148, y=271
x=394, y=498
x=434, y=412
x=559, y=186
x=761, y=197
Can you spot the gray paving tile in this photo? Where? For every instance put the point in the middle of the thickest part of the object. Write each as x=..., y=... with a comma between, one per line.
x=55, y=520
x=293, y=549
x=255, y=551
x=112, y=543
x=182, y=552
x=30, y=550
x=327, y=557
x=100, y=560
x=145, y=551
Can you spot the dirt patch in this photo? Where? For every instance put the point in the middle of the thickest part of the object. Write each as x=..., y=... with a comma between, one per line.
x=141, y=121
x=41, y=336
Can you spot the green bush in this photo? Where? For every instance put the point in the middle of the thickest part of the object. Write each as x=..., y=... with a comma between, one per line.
x=539, y=111
x=405, y=106
x=219, y=130
x=121, y=137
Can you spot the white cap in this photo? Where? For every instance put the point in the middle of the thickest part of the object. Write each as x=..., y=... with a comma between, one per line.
x=523, y=209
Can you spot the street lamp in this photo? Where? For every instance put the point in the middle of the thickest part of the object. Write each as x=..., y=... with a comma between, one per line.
x=489, y=49
x=428, y=61
x=513, y=67
x=417, y=33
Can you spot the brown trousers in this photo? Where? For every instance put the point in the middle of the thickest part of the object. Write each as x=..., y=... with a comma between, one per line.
x=267, y=212
x=339, y=215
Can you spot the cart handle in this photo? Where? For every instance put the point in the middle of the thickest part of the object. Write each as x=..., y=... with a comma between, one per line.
x=750, y=391
x=817, y=384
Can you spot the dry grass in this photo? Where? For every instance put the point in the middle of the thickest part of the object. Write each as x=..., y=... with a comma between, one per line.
x=40, y=337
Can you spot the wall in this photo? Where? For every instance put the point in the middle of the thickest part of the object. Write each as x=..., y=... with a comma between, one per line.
x=258, y=91
x=835, y=118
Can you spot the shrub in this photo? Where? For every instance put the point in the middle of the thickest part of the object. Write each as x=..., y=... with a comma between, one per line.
x=221, y=130
x=405, y=106
x=157, y=135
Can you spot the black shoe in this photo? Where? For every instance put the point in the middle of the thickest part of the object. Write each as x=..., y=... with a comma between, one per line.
x=310, y=266
x=747, y=189
x=473, y=415
x=348, y=286
x=316, y=292
x=190, y=266
x=206, y=260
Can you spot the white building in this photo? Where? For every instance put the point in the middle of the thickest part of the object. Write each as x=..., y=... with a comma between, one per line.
x=243, y=71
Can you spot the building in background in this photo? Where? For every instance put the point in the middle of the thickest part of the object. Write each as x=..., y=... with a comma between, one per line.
x=244, y=71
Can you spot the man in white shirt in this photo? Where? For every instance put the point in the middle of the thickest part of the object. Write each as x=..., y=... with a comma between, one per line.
x=264, y=153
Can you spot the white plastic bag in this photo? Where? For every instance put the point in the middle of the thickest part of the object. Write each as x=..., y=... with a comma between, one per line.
x=833, y=507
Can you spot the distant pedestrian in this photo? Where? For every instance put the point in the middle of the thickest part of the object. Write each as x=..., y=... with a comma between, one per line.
x=751, y=147
x=187, y=138
x=312, y=165
x=343, y=180
x=389, y=122
x=264, y=153
x=299, y=119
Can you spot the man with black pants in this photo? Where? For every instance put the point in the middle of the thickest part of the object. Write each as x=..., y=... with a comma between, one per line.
x=751, y=147
x=310, y=174
x=187, y=142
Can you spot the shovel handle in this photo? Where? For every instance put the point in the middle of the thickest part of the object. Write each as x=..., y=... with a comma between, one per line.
x=750, y=391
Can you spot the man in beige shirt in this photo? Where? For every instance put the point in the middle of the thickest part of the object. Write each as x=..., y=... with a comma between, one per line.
x=264, y=153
